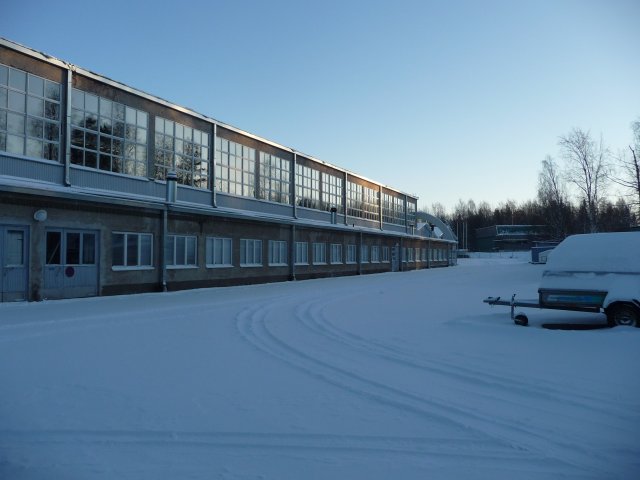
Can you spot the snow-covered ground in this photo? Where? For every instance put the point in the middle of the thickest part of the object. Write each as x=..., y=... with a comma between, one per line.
x=391, y=376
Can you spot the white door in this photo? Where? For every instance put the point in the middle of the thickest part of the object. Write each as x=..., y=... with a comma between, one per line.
x=13, y=263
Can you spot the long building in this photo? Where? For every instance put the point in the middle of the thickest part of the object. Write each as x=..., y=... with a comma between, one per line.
x=105, y=189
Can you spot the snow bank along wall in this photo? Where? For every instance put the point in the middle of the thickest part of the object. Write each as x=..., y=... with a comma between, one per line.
x=105, y=189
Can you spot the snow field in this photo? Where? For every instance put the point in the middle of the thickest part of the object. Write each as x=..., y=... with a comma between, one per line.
x=405, y=375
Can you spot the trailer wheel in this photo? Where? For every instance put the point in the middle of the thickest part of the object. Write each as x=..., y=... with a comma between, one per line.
x=521, y=319
x=623, y=314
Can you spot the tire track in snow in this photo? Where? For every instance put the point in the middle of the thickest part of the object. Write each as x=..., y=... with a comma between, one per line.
x=311, y=314
x=396, y=445
x=252, y=326
x=315, y=318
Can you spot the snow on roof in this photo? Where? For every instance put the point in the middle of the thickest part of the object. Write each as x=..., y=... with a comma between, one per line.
x=597, y=252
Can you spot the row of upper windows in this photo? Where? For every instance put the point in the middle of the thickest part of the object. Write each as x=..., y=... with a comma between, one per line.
x=110, y=136
x=135, y=251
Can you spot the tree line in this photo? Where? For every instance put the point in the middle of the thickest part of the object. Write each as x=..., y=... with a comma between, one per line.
x=573, y=193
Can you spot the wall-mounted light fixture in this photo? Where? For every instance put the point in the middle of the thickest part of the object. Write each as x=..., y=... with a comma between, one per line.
x=40, y=215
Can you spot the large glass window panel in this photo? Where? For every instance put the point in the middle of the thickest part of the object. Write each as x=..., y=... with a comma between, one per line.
x=26, y=96
x=116, y=148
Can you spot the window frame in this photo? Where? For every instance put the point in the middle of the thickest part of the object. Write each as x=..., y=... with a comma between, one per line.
x=278, y=248
x=336, y=247
x=210, y=252
x=302, y=253
x=171, y=263
x=251, y=252
x=125, y=254
x=319, y=250
x=351, y=254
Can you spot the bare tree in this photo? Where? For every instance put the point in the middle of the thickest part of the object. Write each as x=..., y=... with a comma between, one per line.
x=552, y=196
x=629, y=165
x=438, y=210
x=586, y=169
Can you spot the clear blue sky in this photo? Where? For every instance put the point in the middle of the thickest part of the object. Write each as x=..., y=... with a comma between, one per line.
x=445, y=99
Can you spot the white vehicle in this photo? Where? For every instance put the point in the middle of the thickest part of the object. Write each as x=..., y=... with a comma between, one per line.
x=597, y=272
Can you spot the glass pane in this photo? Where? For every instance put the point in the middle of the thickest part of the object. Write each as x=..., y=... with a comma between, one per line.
x=88, y=248
x=52, y=110
x=91, y=103
x=14, y=254
x=4, y=74
x=105, y=107
x=118, y=249
x=17, y=101
x=34, y=148
x=17, y=79
x=180, y=250
x=145, y=249
x=191, y=251
x=35, y=127
x=52, y=90
x=50, y=151
x=130, y=115
x=73, y=249
x=76, y=156
x=77, y=99
x=3, y=120
x=36, y=85
x=142, y=119
x=53, y=248
x=51, y=131
x=132, y=250
x=169, y=250
x=35, y=106
x=15, y=144
x=91, y=140
x=90, y=160
x=3, y=97
x=118, y=111
x=141, y=135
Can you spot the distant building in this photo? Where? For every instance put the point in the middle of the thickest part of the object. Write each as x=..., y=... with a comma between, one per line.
x=509, y=237
x=105, y=189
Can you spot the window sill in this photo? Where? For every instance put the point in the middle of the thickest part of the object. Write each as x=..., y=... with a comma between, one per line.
x=182, y=267
x=121, y=268
x=226, y=265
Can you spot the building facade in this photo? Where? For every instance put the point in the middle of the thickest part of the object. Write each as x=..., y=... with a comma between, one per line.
x=105, y=189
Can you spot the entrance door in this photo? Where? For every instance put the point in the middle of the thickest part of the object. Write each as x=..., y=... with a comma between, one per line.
x=395, y=258
x=13, y=263
x=71, y=267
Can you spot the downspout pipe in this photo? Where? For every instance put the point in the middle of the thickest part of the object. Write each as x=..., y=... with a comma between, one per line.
x=292, y=181
x=67, y=129
x=292, y=254
x=360, y=255
x=214, y=199
x=171, y=198
x=163, y=260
